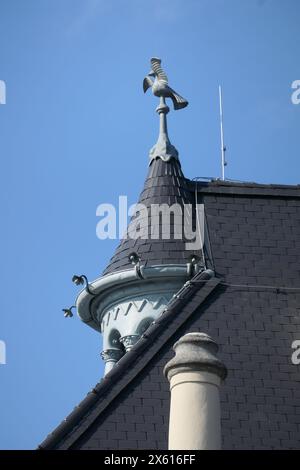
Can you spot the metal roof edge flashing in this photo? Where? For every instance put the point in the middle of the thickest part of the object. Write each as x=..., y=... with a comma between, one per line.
x=119, y=278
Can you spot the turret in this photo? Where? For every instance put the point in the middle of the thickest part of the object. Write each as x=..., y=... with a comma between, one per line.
x=153, y=260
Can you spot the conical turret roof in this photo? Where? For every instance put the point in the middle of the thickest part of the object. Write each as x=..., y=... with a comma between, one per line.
x=162, y=240
x=165, y=184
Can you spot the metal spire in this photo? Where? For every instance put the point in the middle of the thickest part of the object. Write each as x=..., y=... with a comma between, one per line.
x=160, y=88
x=163, y=147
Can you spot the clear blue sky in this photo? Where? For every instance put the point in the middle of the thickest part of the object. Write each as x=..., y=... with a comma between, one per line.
x=76, y=131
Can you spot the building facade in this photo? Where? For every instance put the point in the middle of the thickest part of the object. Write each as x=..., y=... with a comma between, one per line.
x=240, y=285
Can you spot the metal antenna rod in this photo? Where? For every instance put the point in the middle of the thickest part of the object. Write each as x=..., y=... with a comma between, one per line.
x=223, y=148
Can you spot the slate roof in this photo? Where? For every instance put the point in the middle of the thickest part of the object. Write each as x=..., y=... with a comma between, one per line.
x=251, y=309
x=165, y=184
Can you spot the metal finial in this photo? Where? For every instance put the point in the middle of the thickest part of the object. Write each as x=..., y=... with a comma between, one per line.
x=160, y=88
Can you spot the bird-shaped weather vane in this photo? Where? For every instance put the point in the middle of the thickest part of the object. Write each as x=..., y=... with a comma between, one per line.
x=160, y=88
x=160, y=85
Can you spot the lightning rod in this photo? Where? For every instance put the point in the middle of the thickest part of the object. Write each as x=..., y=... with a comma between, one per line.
x=223, y=148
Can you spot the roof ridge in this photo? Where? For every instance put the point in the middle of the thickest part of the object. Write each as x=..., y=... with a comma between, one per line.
x=244, y=189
